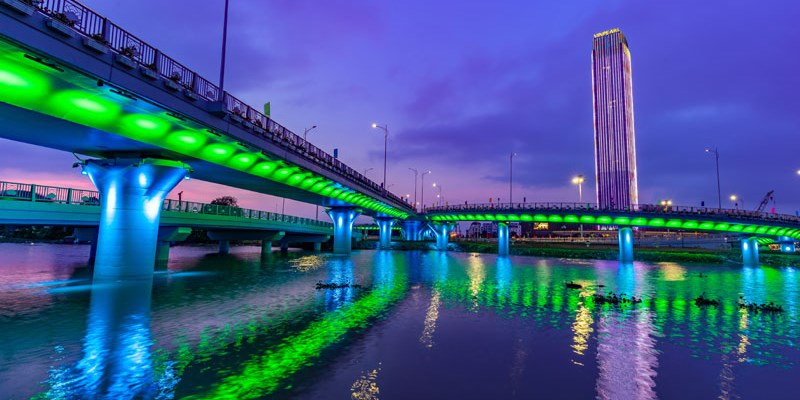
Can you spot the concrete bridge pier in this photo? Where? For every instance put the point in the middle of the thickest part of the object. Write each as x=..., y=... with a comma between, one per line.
x=625, y=245
x=167, y=235
x=88, y=234
x=343, y=218
x=750, y=251
x=131, y=195
x=442, y=232
x=317, y=240
x=502, y=238
x=225, y=236
x=786, y=243
x=412, y=229
x=385, y=225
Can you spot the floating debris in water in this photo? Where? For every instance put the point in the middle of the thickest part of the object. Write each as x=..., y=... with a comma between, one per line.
x=573, y=285
x=703, y=301
x=754, y=307
x=615, y=299
x=333, y=285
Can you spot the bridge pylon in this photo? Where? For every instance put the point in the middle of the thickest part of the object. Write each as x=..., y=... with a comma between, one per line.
x=502, y=238
x=625, y=245
x=412, y=229
x=343, y=218
x=441, y=230
x=385, y=225
x=131, y=195
x=750, y=251
x=786, y=243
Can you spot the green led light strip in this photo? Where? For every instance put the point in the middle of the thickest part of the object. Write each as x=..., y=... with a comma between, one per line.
x=77, y=98
x=673, y=223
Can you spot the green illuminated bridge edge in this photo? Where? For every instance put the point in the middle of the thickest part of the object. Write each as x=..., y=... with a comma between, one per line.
x=643, y=215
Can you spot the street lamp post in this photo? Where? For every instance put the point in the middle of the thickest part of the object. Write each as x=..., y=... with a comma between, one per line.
x=385, y=149
x=438, y=196
x=367, y=170
x=511, y=179
x=220, y=94
x=422, y=187
x=734, y=199
x=305, y=133
x=415, y=186
x=716, y=157
x=578, y=180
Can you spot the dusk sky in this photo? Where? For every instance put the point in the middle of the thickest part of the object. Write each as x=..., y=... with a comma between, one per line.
x=463, y=84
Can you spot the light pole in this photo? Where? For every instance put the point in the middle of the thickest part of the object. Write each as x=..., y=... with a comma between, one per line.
x=734, y=199
x=367, y=170
x=415, y=186
x=716, y=157
x=578, y=180
x=220, y=94
x=305, y=133
x=439, y=196
x=422, y=195
x=511, y=179
x=385, y=148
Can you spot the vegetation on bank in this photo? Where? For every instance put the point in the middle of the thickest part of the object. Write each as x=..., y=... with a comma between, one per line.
x=600, y=252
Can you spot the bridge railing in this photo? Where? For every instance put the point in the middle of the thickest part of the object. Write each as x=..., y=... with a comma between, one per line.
x=638, y=208
x=54, y=194
x=97, y=27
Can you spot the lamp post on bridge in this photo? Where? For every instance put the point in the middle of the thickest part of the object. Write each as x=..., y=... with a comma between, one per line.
x=735, y=200
x=385, y=149
x=415, y=186
x=422, y=187
x=511, y=179
x=439, y=196
x=578, y=180
x=716, y=157
x=220, y=94
x=367, y=170
x=305, y=135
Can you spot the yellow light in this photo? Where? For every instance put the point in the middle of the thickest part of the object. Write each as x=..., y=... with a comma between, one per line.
x=577, y=180
x=374, y=125
x=733, y=197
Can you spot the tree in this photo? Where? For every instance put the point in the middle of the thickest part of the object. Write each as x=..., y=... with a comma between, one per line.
x=226, y=201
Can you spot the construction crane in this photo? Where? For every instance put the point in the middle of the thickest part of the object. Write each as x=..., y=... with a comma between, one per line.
x=765, y=200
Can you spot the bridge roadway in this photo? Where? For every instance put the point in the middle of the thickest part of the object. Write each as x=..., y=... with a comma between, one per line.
x=749, y=224
x=56, y=206
x=70, y=79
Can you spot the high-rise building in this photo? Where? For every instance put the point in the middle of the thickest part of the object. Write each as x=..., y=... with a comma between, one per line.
x=614, y=138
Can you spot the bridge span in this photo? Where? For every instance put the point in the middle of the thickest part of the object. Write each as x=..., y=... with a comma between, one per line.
x=749, y=224
x=72, y=80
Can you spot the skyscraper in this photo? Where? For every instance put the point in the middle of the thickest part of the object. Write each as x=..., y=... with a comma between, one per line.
x=614, y=138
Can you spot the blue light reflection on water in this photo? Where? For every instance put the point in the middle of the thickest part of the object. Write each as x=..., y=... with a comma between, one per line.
x=213, y=313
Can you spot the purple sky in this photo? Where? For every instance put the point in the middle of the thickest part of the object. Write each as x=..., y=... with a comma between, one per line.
x=463, y=84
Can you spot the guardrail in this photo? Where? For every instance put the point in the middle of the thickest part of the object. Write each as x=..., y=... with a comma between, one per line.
x=653, y=209
x=54, y=194
x=96, y=27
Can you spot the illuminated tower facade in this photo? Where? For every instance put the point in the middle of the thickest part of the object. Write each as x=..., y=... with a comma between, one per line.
x=614, y=138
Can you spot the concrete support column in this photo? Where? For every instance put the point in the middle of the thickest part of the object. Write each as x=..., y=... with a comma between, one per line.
x=266, y=247
x=625, y=245
x=343, y=218
x=131, y=195
x=786, y=243
x=317, y=247
x=412, y=229
x=750, y=251
x=167, y=235
x=385, y=225
x=502, y=238
x=224, y=246
x=88, y=234
x=442, y=233
x=284, y=245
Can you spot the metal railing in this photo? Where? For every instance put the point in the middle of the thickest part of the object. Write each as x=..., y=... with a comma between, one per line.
x=97, y=27
x=54, y=194
x=652, y=210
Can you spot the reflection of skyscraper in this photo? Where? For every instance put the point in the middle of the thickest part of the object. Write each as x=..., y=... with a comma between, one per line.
x=614, y=139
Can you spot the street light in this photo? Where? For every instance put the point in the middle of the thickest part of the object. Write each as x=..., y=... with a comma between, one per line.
x=735, y=199
x=305, y=133
x=385, y=148
x=221, y=92
x=578, y=180
x=438, y=196
x=415, y=185
x=716, y=157
x=367, y=170
x=511, y=179
x=422, y=187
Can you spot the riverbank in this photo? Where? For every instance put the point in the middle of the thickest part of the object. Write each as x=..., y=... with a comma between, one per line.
x=601, y=252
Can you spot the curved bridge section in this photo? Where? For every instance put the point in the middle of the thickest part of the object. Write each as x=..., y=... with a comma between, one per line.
x=644, y=215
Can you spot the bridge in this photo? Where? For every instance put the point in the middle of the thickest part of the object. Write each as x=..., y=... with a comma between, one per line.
x=749, y=224
x=72, y=80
